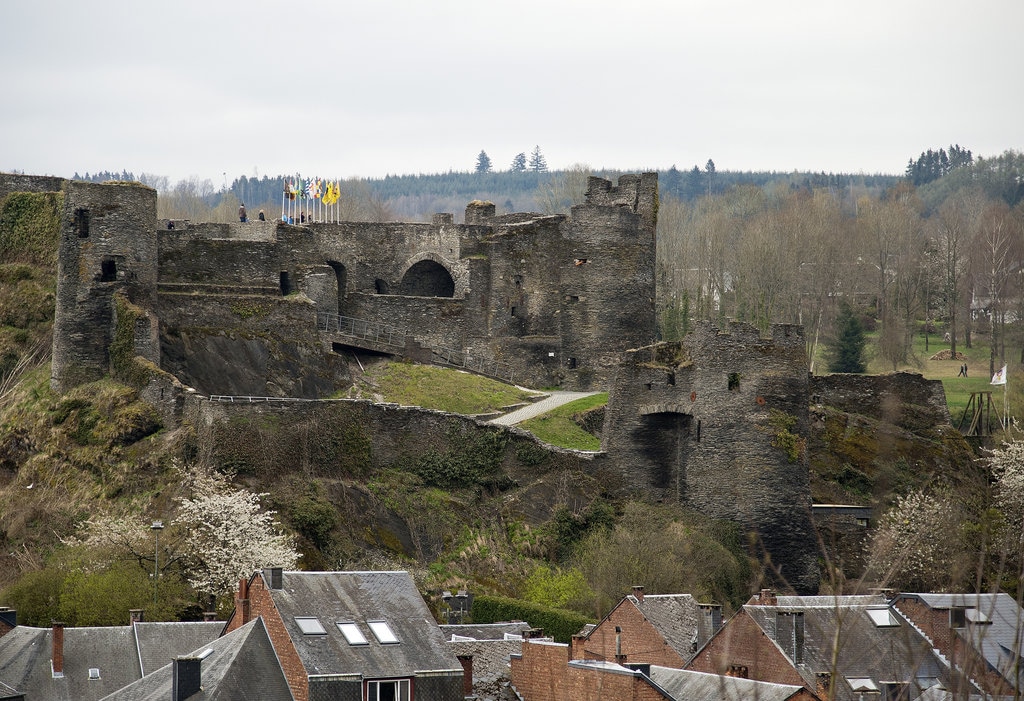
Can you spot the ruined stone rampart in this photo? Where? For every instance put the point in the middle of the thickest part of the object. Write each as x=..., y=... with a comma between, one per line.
x=555, y=297
x=903, y=399
x=718, y=422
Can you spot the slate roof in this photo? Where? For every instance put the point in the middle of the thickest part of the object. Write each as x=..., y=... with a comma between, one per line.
x=159, y=643
x=700, y=686
x=674, y=616
x=361, y=597
x=485, y=631
x=1000, y=642
x=241, y=667
x=491, y=671
x=114, y=650
x=882, y=653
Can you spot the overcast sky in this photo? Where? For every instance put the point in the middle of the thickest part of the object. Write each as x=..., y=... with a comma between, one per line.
x=218, y=89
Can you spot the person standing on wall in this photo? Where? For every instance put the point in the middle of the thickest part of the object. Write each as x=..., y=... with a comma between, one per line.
x=241, y=214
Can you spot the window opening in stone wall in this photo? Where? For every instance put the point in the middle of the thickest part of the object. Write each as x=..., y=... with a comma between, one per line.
x=108, y=270
x=698, y=430
x=341, y=278
x=286, y=283
x=734, y=381
x=513, y=311
x=671, y=379
x=574, y=298
x=572, y=363
x=81, y=223
x=518, y=280
x=380, y=286
x=649, y=385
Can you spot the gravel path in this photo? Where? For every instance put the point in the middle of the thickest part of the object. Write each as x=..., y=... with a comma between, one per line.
x=556, y=399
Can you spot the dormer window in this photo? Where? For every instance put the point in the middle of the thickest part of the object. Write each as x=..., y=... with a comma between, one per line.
x=352, y=634
x=383, y=631
x=883, y=618
x=310, y=626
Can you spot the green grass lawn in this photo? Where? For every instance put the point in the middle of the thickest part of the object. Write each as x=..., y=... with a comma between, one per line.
x=443, y=389
x=557, y=427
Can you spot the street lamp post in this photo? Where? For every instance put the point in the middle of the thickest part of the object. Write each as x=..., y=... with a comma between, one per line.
x=156, y=528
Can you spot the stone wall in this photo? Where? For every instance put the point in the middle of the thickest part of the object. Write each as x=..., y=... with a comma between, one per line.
x=108, y=244
x=718, y=421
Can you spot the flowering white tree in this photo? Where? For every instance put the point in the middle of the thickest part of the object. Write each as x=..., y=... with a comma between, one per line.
x=916, y=545
x=1008, y=468
x=227, y=535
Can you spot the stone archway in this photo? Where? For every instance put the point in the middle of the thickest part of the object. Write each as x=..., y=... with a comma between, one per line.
x=427, y=278
x=341, y=278
x=662, y=437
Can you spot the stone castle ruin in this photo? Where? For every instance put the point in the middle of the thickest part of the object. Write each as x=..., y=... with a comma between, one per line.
x=180, y=309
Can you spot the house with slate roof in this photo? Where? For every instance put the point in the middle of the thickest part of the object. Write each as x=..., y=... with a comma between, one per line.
x=981, y=635
x=359, y=636
x=660, y=629
x=544, y=671
x=240, y=666
x=839, y=647
x=485, y=650
x=88, y=663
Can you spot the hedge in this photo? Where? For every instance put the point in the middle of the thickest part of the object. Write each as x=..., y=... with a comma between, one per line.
x=557, y=623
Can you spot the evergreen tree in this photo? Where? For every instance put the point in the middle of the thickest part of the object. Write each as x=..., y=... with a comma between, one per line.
x=537, y=162
x=483, y=162
x=519, y=163
x=846, y=353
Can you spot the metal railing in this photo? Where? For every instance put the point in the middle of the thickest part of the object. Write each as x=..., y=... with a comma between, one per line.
x=482, y=366
x=359, y=328
x=392, y=336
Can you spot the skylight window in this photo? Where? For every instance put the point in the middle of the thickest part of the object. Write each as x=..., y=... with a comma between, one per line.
x=862, y=684
x=94, y=673
x=383, y=631
x=352, y=634
x=310, y=626
x=883, y=618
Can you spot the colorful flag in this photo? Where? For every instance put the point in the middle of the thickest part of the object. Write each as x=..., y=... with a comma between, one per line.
x=1000, y=377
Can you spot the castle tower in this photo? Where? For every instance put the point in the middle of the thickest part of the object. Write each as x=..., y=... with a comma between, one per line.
x=718, y=422
x=607, y=277
x=108, y=244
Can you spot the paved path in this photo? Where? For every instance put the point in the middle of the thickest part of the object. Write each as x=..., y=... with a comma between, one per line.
x=556, y=399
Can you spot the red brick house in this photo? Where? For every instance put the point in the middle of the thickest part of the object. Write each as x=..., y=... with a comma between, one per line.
x=982, y=635
x=544, y=672
x=842, y=647
x=659, y=629
x=351, y=636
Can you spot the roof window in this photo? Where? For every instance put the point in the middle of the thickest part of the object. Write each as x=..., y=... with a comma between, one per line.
x=310, y=626
x=883, y=618
x=352, y=634
x=862, y=684
x=94, y=673
x=383, y=631
x=977, y=617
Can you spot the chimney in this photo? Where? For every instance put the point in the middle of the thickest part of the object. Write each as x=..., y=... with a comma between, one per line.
x=186, y=677
x=467, y=674
x=135, y=616
x=57, y=657
x=823, y=682
x=533, y=633
x=638, y=593
x=242, y=600
x=767, y=598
